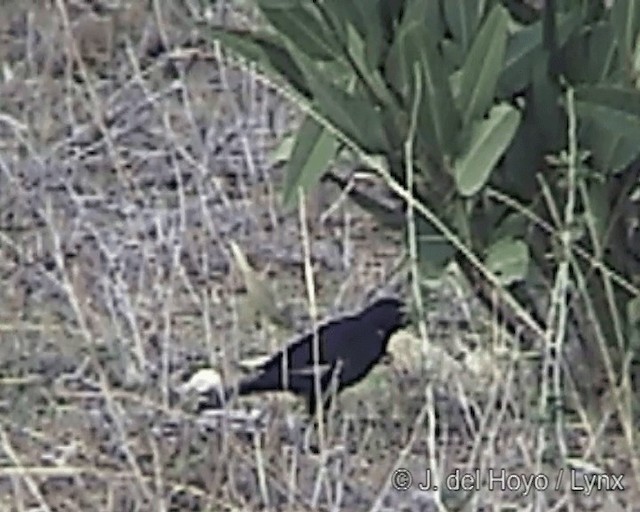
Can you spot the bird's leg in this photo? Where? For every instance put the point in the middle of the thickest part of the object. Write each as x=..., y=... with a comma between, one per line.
x=311, y=403
x=329, y=385
x=332, y=387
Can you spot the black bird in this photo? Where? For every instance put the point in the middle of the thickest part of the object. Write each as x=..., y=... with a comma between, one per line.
x=349, y=348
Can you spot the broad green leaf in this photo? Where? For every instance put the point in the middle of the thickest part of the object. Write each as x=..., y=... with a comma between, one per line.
x=300, y=24
x=489, y=140
x=589, y=55
x=357, y=47
x=402, y=52
x=522, y=160
x=438, y=119
x=314, y=149
x=365, y=17
x=398, y=65
x=433, y=19
x=508, y=258
x=612, y=151
x=453, y=55
x=462, y=18
x=512, y=226
x=633, y=313
x=625, y=20
x=524, y=47
x=455, y=83
x=353, y=115
x=371, y=81
x=434, y=250
x=635, y=65
x=633, y=332
x=437, y=115
x=597, y=210
x=521, y=11
x=267, y=52
x=574, y=58
x=549, y=28
x=283, y=150
x=390, y=14
x=601, y=53
x=614, y=97
x=615, y=108
x=482, y=66
x=458, y=211
x=545, y=107
x=427, y=14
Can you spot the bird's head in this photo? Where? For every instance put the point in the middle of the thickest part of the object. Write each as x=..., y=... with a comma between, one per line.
x=387, y=314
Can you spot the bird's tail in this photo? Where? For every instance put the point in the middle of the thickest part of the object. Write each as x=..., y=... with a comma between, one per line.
x=268, y=381
x=214, y=398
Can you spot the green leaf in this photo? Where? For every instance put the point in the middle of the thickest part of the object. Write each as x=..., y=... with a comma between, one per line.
x=455, y=83
x=434, y=250
x=598, y=208
x=453, y=55
x=302, y=26
x=462, y=18
x=312, y=152
x=398, y=66
x=482, y=66
x=372, y=84
x=549, y=28
x=489, y=140
x=614, y=108
x=522, y=160
x=512, y=226
x=419, y=20
x=365, y=17
x=625, y=20
x=439, y=119
x=601, y=52
x=427, y=14
x=415, y=43
x=612, y=152
x=354, y=116
x=545, y=107
x=589, y=56
x=267, y=52
x=524, y=48
x=283, y=150
x=508, y=258
x=521, y=11
x=633, y=312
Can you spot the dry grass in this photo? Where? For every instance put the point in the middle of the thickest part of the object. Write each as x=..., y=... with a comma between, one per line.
x=130, y=156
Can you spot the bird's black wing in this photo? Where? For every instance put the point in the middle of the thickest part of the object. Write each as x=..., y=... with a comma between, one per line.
x=298, y=358
x=335, y=339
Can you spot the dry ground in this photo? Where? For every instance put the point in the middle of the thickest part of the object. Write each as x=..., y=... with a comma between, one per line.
x=131, y=154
